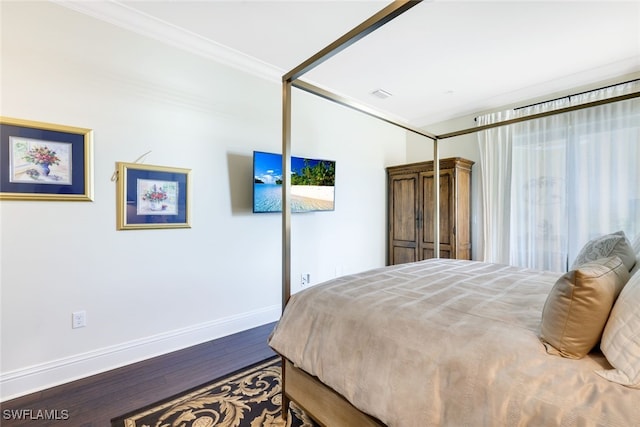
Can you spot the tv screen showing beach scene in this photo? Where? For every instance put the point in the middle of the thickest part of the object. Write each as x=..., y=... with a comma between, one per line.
x=312, y=183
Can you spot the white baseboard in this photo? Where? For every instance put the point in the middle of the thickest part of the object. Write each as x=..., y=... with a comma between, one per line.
x=23, y=381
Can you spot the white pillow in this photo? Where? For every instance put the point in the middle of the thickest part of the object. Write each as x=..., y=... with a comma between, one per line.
x=621, y=337
x=609, y=245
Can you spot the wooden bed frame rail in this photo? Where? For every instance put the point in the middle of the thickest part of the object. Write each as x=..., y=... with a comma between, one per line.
x=324, y=405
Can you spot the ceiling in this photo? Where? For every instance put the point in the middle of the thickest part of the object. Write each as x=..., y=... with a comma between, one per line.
x=440, y=60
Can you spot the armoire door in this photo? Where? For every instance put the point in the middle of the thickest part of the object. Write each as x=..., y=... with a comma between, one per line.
x=447, y=208
x=403, y=218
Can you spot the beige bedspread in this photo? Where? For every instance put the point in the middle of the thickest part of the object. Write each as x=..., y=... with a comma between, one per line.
x=447, y=343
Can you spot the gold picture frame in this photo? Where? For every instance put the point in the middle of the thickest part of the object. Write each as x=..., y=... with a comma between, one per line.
x=45, y=161
x=152, y=197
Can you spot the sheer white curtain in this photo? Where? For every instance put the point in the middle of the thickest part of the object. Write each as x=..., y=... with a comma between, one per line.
x=495, y=160
x=604, y=167
x=538, y=219
x=551, y=184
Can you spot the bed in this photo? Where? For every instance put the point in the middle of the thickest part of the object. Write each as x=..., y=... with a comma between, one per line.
x=452, y=342
x=448, y=343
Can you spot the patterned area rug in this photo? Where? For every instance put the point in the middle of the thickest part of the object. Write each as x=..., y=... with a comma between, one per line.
x=248, y=398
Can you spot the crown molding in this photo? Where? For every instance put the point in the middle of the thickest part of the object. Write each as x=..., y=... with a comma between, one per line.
x=123, y=16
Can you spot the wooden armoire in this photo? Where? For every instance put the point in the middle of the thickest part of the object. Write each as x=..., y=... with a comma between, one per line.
x=410, y=215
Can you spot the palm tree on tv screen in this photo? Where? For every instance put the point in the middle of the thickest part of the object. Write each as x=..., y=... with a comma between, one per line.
x=322, y=173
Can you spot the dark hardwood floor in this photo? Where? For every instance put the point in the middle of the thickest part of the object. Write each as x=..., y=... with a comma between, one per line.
x=94, y=401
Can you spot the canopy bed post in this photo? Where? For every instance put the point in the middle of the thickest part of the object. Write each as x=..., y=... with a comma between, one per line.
x=286, y=216
x=436, y=199
x=286, y=191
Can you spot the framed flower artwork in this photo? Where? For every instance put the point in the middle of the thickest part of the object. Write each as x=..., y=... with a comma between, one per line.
x=44, y=161
x=152, y=197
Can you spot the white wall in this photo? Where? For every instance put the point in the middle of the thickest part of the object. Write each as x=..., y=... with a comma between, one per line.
x=147, y=292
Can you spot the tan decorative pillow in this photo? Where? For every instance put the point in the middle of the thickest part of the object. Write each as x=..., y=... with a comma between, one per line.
x=621, y=337
x=614, y=244
x=578, y=306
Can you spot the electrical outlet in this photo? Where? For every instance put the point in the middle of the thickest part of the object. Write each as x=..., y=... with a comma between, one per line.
x=305, y=279
x=78, y=319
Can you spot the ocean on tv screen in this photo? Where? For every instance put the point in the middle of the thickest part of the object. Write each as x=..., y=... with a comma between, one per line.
x=312, y=184
x=304, y=198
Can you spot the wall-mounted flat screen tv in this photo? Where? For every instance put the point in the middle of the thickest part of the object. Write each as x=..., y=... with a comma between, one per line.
x=312, y=183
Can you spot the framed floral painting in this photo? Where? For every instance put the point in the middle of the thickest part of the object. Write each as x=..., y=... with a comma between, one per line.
x=152, y=197
x=44, y=161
